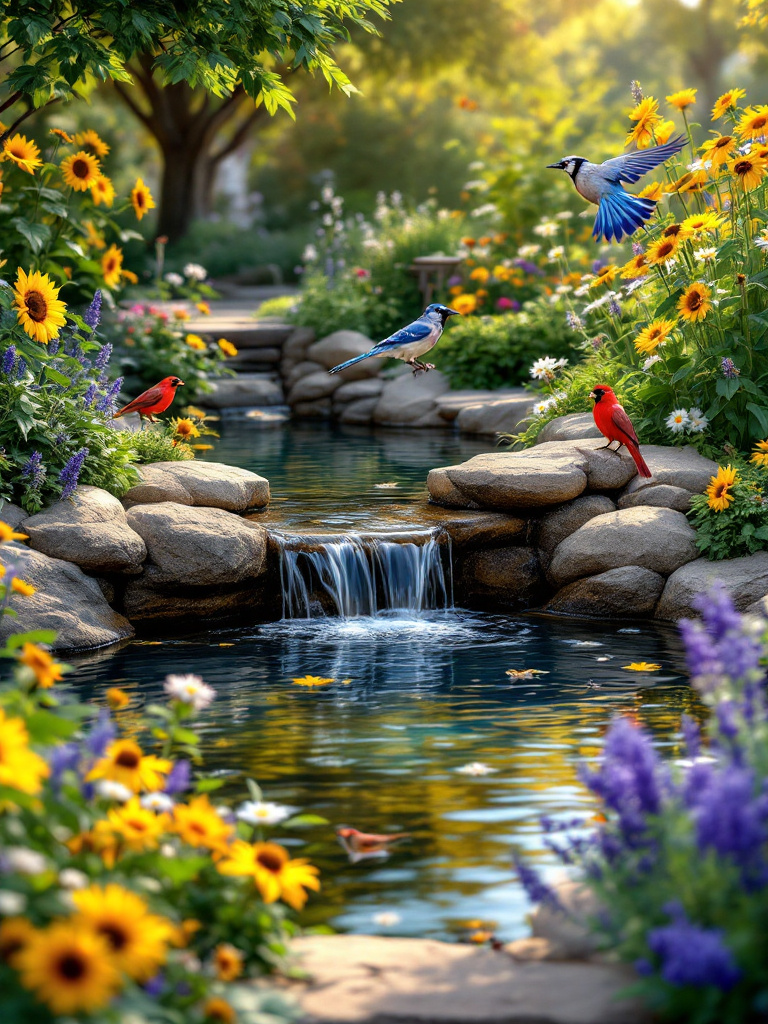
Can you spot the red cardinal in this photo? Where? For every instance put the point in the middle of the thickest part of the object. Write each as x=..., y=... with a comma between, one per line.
x=156, y=399
x=614, y=424
x=355, y=841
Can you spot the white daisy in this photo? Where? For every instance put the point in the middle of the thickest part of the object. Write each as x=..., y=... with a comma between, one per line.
x=526, y=251
x=564, y=215
x=556, y=253
x=71, y=878
x=174, y=279
x=540, y=408
x=260, y=812
x=651, y=361
x=708, y=253
x=159, y=802
x=678, y=420
x=195, y=271
x=545, y=368
x=546, y=229
x=112, y=790
x=698, y=421
x=189, y=689
x=23, y=860
x=12, y=903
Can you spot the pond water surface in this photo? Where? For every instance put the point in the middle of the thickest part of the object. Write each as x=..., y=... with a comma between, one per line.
x=415, y=698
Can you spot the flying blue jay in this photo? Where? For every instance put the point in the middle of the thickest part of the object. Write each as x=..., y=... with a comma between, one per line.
x=618, y=212
x=410, y=342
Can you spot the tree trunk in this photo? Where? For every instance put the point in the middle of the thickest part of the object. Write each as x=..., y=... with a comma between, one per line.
x=185, y=190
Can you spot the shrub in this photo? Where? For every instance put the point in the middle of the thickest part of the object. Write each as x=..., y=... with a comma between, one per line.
x=731, y=519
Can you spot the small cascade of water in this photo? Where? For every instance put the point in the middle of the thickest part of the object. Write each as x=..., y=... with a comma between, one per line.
x=357, y=576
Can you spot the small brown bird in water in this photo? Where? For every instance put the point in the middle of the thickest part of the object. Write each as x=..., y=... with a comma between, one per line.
x=355, y=841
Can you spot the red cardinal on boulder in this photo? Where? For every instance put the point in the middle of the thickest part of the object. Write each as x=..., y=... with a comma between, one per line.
x=156, y=399
x=613, y=423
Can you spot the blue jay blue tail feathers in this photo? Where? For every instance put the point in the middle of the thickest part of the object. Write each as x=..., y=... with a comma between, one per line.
x=351, y=362
x=621, y=213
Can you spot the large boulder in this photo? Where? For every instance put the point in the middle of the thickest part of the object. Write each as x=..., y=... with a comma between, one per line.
x=410, y=398
x=302, y=369
x=315, y=385
x=12, y=515
x=630, y=592
x=501, y=416
x=354, y=390
x=298, y=342
x=89, y=529
x=66, y=601
x=442, y=491
x=653, y=538
x=359, y=411
x=452, y=403
x=679, y=467
x=563, y=521
x=244, y=390
x=198, y=547
x=207, y=484
x=573, y=427
x=606, y=470
x=745, y=579
x=509, y=576
x=343, y=345
x=660, y=496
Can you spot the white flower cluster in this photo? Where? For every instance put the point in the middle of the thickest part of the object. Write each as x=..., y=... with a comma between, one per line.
x=189, y=689
x=262, y=812
x=174, y=279
x=195, y=271
x=546, y=368
x=546, y=229
x=542, y=407
x=556, y=253
x=525, y=252
x=691, y=420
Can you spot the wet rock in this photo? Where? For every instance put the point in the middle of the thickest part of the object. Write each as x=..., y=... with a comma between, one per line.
x=442, y=491
x=629, y=592
x=206, y=484
x=563, y=521
x=354, y=390
x=363, y=979
x=244, y=390
x=89, y=529
x=503, y=416
x=410, y=398
x=315, y=385
x=653, y=538
x=574, y=427
x=452, y=403
x=745, y=579
x=12, y=515
x=151, y=599
x=199, y=547
x=679, y=467
x=606, y=470
x=342, y=345
x=662, y=496
x=66, y=601
x=298, y=343
x=470, y=529
x=508, y=576
x=360, y=411
x=320, y=409
x=506, y=481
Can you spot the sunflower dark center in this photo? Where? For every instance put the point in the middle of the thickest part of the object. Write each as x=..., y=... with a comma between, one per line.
x=139, y=198
x=37, y=307
x=71, y=967
x=743, y=166
x=666, y=248
x=137, y=826
x=672, y=230
x=270, y=861
x=725, y=141
x=197, y=828
x=128, y=759
x=720, y=490
x=81, y=168
x=115, y=935
x=695, y=299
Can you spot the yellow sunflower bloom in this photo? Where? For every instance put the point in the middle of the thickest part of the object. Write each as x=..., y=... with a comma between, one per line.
x=464, y=303
x=203, y=307
x=480, y=274
x=23, y=152
x=655, y=334
x=61, y=134
x=46, y=670
x=69, y=968
x=312, y=681
x=117, y=699
x=694, y=303
x=196, y=342
x=275, y=874
x=753, y=123
x=605, y=276
x=218, y=1011
x=760, y=454
x=661, y=250
x=719, y=490
x=653, y=191
x=128, y=275
x=184, y=428
x=137, y=827
x=726, y=102
x=125, y=762
x=103, y=191
x=112, y=265
x=636, y=267
x=199, y=825
x=749, y=171
x=663, y=132
x=81, y=170
x=718, y=150
x=138, y=940
x=226, y=347
x=642, y=666
x=38, y=307
x=94, y=140
x=92, y=236
x=228, y=962
x=19, y=586
x=647, y=117
x=142, y=199
x=15, y=933
x=7, y=533
x=682, y=99
x=699, y=222
x=20, y=767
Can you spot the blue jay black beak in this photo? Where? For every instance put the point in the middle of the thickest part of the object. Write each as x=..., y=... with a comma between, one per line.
x=556, y=167
x=453, y=312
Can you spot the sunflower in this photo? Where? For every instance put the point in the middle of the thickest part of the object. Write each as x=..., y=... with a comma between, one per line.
x=15, y=933
x=117, y=699
x=653, y=191
x=112, y=265
x=694, y=303
x=464, y=303
x=100, y=840
x=125, y=762
x=80, y=170
x=93, y=237
x=38, y=307
x=749, y=170
x=137, y=827
x=655, y=334
x=662, y=132
x=61, y=134
x=69, y=968
x=103, y=191
x=199, y=825
x=228, y=962
x=673, y=231
x=196, y=342
x=226, y=347
x=23, y=152
x=142, y=199
x=646, y=115
x=138, y=940
x=219, y=1010
x=661, y=250
x=753, y=123
x=605, y=276
x=275, y=874
x=184, y=428
x=129, y=276
x=682, y=99
x=718, y=150
x=701, y=222
x=726, y=101
x=7, y=533
x=94, y=140
x=19, y=586
x=719, y=490
x=46, y=670
x=20, y=767
x=760, y=454
x=636, y=267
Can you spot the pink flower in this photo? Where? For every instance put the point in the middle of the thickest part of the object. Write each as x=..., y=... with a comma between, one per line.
x=505, y=303
x=362, y=272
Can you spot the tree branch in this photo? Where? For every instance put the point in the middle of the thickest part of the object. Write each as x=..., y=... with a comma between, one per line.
x=11, y=100
x=239, y=136
x=135, y=109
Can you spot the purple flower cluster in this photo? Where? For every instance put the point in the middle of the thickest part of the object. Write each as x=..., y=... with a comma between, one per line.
x=536, y=890
x=614, y=307
x=9, y=360
x=69, y=475
x=527, y=267
x=101, y=360
x=691, y=955
x=573, y=321
x=89, y=396
x=720, y=646
x=108, y=401
x=21, y=369
x=728, y=367
x=33, y=470
x=92, y=315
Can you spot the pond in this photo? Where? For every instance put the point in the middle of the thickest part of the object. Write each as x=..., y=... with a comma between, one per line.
x=415, y=699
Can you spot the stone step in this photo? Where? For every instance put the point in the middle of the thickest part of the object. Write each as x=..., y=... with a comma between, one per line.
x=244, y=335
x=246, y=389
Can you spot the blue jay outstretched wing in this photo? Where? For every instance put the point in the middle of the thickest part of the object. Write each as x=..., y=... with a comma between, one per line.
x=620, y=213
x=416, y=331
x=631, y=167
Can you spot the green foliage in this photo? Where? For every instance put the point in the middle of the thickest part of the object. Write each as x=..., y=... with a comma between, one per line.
x=228, y=250
x=152, y=445
x=496, y=351
x=278, y=308
x=739, y=529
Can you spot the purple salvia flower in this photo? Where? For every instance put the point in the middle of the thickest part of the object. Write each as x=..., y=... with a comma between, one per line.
x=9, y=360
x=573, y=321
x=614, y=307
x=89, y=396
x=731, y=820
x=728, y=367
x=637, y=249
x=101, y=360
x=21, y=369
x=92, y=315
x=178, y=778
x=536, y=890
x=691, y=734
x=156, y=985
x=717, y=611
x=64, y=757
x=108, y=401
x=527, y=267
x=33, y=470
x=71, y=471
x=637, y=92
x=691, y=955
x=101, y=735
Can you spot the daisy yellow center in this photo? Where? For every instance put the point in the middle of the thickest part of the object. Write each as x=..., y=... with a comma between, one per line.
x=270, y=861
x=71, y=967
x=37, y=307
x=128, y=759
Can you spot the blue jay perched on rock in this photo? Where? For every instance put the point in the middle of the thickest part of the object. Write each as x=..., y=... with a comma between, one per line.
x=618, y=212
x=410, y=342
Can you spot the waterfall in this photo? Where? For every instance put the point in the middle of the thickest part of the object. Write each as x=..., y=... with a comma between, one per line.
x=353, y=576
